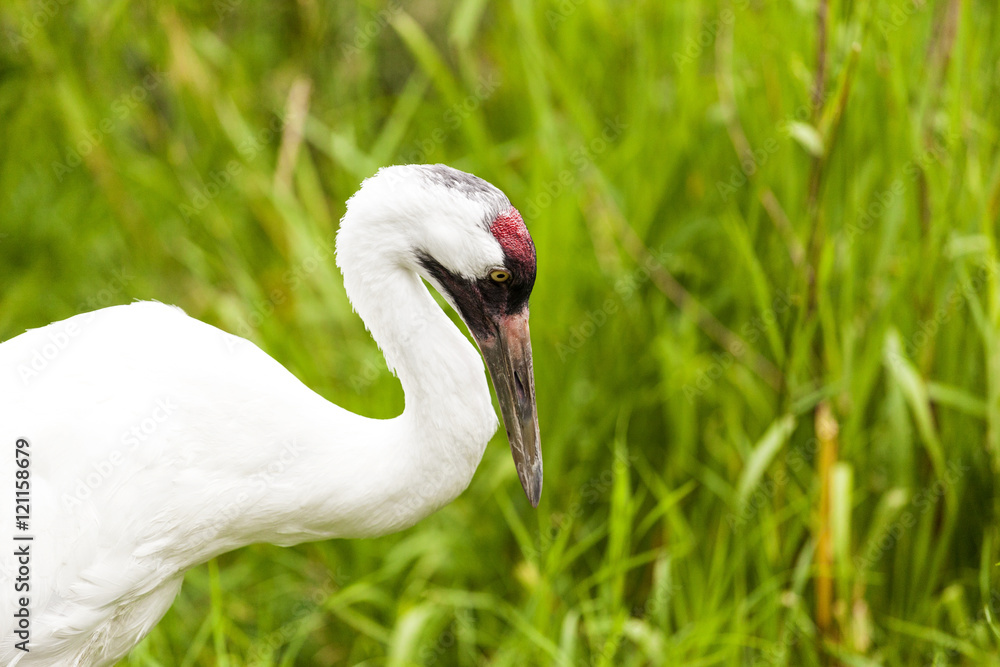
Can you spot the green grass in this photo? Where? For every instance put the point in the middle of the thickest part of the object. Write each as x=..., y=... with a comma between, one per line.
x=766, y=333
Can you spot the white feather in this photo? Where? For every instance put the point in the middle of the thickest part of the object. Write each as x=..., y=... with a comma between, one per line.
x=158, y=442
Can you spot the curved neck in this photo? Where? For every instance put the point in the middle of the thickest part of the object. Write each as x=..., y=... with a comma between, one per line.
x=344, y=475
x=447, y=398
x=448, y=416
x=318, y=471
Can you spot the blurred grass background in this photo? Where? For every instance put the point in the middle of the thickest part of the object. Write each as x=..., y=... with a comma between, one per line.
x=765, y=322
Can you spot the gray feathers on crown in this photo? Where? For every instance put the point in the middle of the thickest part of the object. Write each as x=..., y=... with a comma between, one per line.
x=472, y=187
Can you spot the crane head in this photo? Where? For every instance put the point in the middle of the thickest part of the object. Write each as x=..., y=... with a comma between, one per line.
x=482, y=260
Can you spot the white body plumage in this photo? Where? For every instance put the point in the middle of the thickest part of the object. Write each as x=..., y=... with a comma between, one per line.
x=158, y=441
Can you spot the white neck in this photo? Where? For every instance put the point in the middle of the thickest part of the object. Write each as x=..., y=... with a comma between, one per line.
x=448, y=416
x=343, y=475
x=340, y=474
x=424, y=458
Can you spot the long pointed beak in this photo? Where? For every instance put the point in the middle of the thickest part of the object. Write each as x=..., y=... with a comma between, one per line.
x=508, y=358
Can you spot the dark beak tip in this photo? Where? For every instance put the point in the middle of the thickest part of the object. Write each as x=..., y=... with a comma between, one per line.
x=535, y=495
x=531, y=482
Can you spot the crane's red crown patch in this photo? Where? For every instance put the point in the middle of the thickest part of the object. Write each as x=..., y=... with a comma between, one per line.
x=509, y=230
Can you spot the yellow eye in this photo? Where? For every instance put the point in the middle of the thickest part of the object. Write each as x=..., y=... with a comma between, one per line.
x=499, y=275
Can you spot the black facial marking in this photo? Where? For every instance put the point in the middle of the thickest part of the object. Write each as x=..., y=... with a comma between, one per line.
x=484, y=301
x=522, y=280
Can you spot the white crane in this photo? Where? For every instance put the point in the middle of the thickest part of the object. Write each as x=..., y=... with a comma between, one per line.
x=154, y=442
